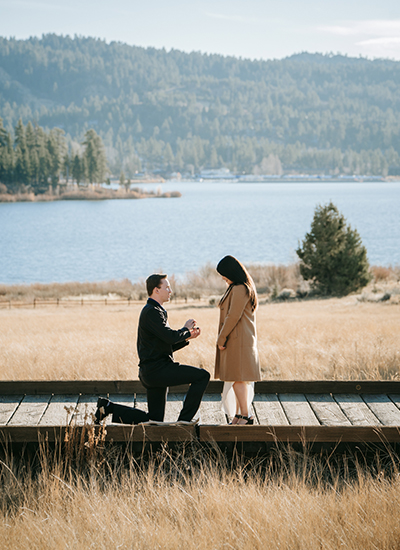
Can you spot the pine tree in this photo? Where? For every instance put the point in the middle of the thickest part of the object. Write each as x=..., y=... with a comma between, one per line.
x=22, y=165
x=332, y=255
x=8, y=162
x=4, y=163
x=78, y=169
x=31, y=144
x=95, y=158
x=66, y=166
x=41, y=183
x=53, y=146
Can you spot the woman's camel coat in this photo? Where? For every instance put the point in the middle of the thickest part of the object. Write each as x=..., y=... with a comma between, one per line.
x=237, y=332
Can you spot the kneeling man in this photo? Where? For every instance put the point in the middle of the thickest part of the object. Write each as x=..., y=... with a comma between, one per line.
x=156, y=342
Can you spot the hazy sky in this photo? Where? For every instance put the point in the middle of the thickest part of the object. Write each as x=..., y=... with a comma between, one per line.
x=257, y=29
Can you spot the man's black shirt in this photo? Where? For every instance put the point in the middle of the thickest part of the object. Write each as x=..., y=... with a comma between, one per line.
x=156, y=341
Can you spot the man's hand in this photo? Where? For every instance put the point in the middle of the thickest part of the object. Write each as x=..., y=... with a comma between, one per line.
x=221, y=348
x=190, y=323
x=194, y=333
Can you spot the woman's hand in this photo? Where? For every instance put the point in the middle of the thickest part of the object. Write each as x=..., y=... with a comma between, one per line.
x=221, y=348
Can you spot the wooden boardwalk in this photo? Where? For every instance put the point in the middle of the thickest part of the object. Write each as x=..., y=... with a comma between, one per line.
x=285, y=411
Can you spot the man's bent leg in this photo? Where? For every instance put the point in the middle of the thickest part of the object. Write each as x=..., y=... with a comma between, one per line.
x=156, y=398
x=174, y=374
x=195, y=393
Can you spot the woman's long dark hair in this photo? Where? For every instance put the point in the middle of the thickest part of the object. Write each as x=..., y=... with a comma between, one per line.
x=235, y=271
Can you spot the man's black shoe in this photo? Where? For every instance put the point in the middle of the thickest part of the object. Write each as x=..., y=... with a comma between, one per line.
x=104, y=408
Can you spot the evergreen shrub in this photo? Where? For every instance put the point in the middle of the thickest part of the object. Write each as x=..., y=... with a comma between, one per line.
x=332, y=256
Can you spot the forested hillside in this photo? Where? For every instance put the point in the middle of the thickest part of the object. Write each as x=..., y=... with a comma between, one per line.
x=173, y=111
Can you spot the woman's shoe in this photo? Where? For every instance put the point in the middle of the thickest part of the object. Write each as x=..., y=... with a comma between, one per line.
x=237, y=417
x=248, y=421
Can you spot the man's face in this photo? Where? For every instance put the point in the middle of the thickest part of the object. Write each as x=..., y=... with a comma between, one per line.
x=164, y=291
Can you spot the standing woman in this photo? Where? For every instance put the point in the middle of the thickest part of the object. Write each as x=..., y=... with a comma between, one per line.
x=237, y=355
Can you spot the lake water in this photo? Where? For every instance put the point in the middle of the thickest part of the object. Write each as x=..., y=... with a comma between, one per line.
x=256, y=222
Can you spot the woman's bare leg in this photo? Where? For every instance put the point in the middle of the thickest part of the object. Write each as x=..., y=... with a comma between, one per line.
x=235, y=419
x=240, y=389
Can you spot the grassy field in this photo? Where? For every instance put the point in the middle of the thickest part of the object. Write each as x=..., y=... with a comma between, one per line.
x=200, y=501
x=192, y=498
x=316, y=339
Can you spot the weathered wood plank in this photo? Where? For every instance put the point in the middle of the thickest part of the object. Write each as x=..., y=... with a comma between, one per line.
x=328, y=386
x=104, y=387
x=269, y=410
x=121, y=399
x=60, y=410
x=141, y=401
x=210, y=410
x=356, y=410
x=70, y=387
x=208, y=433
x=327, y=410
x=8, y=405
x=30, y=410
x=85, y=409
x=396, y=399
x=144, y=433
x=298, y=410
x=115, y=432
x=384, y=409
x=300, y=434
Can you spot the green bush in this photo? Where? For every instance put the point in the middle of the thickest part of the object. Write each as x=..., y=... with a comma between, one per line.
x=332, y=255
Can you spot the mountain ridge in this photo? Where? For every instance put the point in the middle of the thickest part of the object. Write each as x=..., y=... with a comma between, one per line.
x=133, y=95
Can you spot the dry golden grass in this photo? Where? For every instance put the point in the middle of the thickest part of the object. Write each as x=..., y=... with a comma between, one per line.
x=316, y=339
x=123, y=289
x=92, y=192
x=200, y=502
x=273, y=281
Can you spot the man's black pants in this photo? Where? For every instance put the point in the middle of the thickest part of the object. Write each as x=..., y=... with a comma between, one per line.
x=122, y=414
x=156, y=378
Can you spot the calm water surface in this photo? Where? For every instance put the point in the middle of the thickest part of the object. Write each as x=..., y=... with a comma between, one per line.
x=257, y=222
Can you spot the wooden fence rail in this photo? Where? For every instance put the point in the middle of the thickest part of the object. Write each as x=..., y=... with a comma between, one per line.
x=80, y=301
x=35, y=303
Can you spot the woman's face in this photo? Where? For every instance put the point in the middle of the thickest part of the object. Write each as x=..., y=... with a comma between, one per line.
x=228, y=281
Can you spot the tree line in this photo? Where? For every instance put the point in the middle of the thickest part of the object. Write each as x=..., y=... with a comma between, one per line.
x=158, y=110
x=36, y=160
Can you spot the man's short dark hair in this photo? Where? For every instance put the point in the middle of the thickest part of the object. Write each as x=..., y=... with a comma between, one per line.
x=154, y=281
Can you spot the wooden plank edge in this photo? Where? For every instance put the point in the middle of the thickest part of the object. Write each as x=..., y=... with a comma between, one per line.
x=103, y=387
x=301, y=434
x=326, y=386
x=117, y=433
x=90, y=387
x=145, y=434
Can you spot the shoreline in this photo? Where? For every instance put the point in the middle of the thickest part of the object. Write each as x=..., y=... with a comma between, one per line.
x=99, y=192
x=92, y=194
